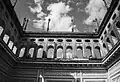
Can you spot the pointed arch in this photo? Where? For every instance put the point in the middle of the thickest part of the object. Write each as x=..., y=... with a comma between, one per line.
x=109, y=43
x=22, y=51
x=118, y=26
x=50, y=52
x=105, y=51
x=31, y=52
x=88, y=52
x=69, y=54
x=6, y=38
x=59, y=52
x=10, y=44
x=40, y=52
x=114, y=38
x=79, y=52
x=97, y=52
x=14, y=49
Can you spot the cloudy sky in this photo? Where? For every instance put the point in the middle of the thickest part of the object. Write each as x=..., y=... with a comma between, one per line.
x=61, y=15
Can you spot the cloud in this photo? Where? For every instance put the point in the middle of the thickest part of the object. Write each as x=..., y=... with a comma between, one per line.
x=58, y=15
x=60, y=20
x=38, y=23
x=59, y=8
x=96, y=10
x=38, y=8
x=63, y=24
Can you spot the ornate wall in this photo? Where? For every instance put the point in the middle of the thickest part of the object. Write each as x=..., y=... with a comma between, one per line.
x=114, y=73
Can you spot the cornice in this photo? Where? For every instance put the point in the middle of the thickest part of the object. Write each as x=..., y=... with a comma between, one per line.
x=11, y=59
x=61, y=35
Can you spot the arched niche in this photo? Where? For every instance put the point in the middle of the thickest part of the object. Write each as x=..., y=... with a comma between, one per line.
x=88, y=52
x=40, y=52
x=114, y=38
x=79, y=52
x=109, y=43
x=22, y=52
x=60, y=52
x=50, y=52
x=1, y=30
x=31, y=53
x=69, y=54
x=97, y=52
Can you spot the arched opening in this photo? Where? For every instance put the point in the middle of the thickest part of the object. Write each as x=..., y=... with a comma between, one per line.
x=6, y=38
x=31, y=52
x=79, y=52
x=105, y=51
x=88, y=52
x=69, y=54
x=118, y=26
x=59, y=52
x=50, y=53
x=22, y=51
x=1, y=30
x=14, y=49
x=109, y=25
x=114, y=16
x=109, y=43
x=40, y=52
x=114, y=38
x=10, y=44
x=97, y=52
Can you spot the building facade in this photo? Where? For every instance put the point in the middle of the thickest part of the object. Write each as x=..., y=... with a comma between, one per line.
x=57, y=57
